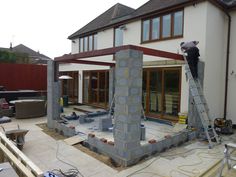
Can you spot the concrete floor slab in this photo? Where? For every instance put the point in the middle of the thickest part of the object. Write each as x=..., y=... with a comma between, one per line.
x=154, y=130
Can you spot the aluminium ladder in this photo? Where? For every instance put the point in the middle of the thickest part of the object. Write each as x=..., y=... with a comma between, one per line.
x=201, y=105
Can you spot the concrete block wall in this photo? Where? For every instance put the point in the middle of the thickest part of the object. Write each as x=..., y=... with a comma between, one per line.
x=128, y=94
x=53, y=94
x=64, y=129
x=141, y=152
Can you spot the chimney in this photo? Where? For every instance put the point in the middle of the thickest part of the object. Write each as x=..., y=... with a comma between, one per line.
x=10, y=45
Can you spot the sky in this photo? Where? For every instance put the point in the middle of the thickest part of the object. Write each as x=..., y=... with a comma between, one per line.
x=44, y=25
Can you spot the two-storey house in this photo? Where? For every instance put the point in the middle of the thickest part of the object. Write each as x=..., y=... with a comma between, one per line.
x=162, y=25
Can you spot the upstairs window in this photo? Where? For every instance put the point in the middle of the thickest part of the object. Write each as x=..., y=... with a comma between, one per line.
x=146, y=30
x=95, y=42
x=88, y=43
x=178, y=23
x=118, y=37
x=156, y=28
x=166, y=26
x=163, y=27
x=85, y=44
x=81, y=46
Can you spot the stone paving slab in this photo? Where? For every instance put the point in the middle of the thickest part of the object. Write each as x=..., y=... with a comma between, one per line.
x=41, y=149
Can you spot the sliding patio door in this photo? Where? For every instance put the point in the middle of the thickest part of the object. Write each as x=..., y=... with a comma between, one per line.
x=161, y=92
x=155, y=92
x=95, y=88
x=171, y=92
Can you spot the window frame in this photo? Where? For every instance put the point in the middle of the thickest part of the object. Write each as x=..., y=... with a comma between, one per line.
x=88, y=43
x=114, y=37
x=161, y=38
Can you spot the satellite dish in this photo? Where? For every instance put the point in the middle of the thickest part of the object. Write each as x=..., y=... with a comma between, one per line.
x=65, y=77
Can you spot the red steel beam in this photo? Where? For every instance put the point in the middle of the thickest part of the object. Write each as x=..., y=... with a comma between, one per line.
x=113, y=50
x=100, y=63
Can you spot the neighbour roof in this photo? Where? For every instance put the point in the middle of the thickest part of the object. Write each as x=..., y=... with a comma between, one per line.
x=120, y=13
x=229, y=3
x=41, y=59
x=108, y=17
x=33, y=54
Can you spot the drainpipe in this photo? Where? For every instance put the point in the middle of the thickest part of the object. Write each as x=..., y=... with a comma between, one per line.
x=227, y=64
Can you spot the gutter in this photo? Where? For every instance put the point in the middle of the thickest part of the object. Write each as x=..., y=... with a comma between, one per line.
x=227, y=64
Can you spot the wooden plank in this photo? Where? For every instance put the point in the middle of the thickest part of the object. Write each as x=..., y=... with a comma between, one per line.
x=16, y=162
x=19, y=155
x=74, y=140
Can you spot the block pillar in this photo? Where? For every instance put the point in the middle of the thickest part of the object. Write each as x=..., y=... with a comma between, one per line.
x=128, y=104
x=53, y=93
x=193, y=117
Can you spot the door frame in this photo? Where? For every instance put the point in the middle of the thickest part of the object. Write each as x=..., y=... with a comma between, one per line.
x=98, y=90
x=163, y=69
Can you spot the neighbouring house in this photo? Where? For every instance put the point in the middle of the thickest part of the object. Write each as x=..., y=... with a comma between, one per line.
x=25, y=55
x=161, y=25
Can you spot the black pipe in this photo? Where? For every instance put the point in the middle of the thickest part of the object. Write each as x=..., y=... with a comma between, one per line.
x=227, y=64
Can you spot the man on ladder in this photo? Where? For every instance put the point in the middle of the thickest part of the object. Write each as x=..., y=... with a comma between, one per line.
x=192, y=56
x=196, y=91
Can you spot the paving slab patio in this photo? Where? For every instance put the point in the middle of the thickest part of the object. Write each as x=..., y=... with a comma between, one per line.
x=189, y=160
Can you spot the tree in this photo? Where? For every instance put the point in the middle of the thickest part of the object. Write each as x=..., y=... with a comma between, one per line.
x=13, y=57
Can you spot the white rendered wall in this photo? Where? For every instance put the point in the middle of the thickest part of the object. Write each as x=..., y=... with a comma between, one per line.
x=215, y=57
x=75, y=46
x=231, y=109
x=105, y=39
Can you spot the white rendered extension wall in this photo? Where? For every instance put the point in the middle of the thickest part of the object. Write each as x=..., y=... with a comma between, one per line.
x=215, y=59
x=231, y=109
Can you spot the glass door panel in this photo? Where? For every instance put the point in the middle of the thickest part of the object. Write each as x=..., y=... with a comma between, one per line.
x=102, y=83
x=155, y=97
x=86, y=87
x=144, y=95
x=171, y=92
x=94, y=87
x=70, y=87
x=76, y=84
x=107, y=88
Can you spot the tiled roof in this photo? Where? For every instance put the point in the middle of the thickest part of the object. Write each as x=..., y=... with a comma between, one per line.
x=32, y=54
x=156, y=5
x=228, y=3
x=117, y=11
x=38, y=57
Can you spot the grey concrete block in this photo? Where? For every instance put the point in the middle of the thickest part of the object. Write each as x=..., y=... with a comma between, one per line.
x=122, y=82
x=105, y=123
x=122, y=100
x=121, y=91
x=136, y=72
x=122, y=72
